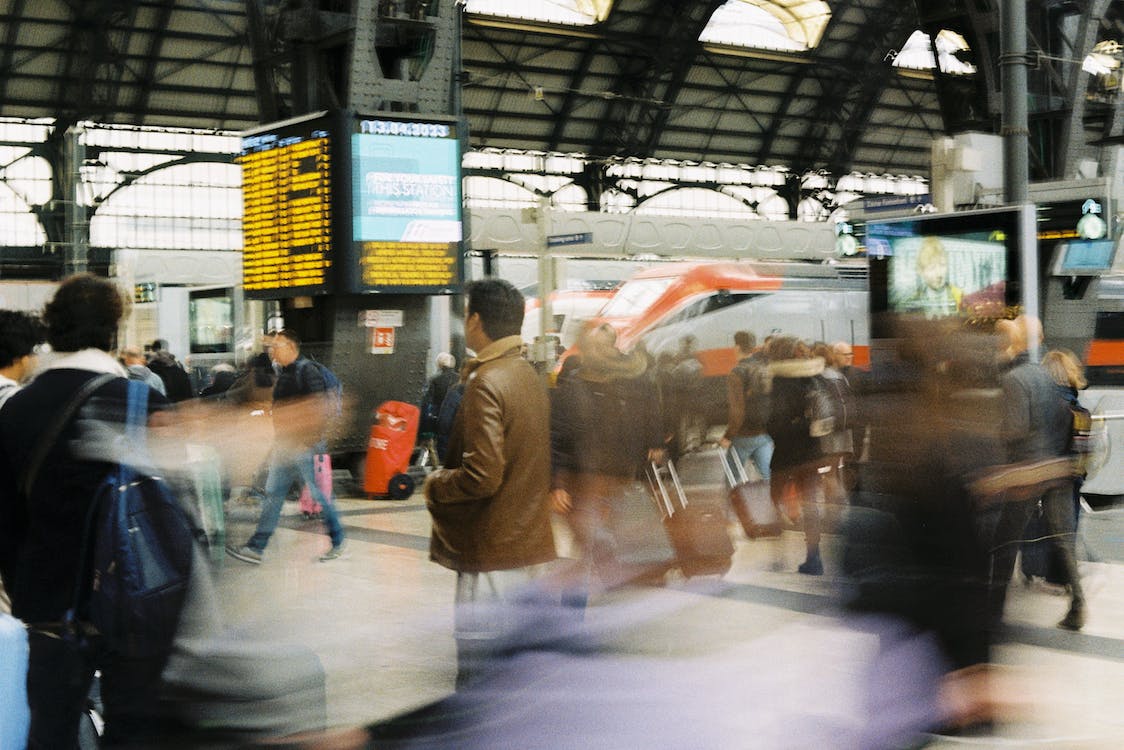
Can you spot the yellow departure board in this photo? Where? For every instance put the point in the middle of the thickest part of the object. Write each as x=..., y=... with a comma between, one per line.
x=287, y=211
x=408, y=264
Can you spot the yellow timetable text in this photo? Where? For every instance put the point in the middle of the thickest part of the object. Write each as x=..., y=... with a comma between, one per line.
x=408, y=264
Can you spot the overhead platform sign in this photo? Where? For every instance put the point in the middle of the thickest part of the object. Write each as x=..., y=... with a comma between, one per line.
x=565, y=240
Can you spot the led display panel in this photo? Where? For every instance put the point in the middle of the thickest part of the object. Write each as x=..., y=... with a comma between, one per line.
x=288, y=196
x=946, y=265
x=406, y=215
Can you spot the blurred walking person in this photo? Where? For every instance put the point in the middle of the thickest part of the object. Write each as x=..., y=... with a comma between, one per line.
x=797, y=457
x=300, y=415
x=747, y=397
x=1035, y=426
x=1061, y=504
x=604, y=427
x=42, y=526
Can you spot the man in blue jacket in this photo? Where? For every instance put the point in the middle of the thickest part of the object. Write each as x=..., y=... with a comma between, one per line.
x=300, y=412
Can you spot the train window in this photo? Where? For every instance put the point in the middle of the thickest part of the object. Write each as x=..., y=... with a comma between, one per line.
x=1110, y=325
x=708, y=304
x=636, y=296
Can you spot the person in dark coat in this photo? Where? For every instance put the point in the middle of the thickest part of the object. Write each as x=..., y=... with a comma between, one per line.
x=1060, y=504
x=177, y=383
x=797, y=459
x=603, y=430
x=41, y=534
x=445, y=418
x=911, y=545
x=222, y=378
x=1036, y=425
x=435, y=391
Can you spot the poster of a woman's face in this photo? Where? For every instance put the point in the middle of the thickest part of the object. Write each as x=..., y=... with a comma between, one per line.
x=941, y=276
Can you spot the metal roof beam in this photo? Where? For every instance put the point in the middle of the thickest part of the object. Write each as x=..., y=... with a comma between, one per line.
x=153, y=53
x=798, y=77
x=9, y=50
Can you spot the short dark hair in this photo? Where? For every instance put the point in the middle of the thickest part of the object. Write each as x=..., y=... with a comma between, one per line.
x=500, y=306
x=20, y=333
x=84, y=313
x=290, y=335
x=745, y=340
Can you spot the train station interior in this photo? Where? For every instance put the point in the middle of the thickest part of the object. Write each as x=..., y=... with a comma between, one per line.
x=771, y=166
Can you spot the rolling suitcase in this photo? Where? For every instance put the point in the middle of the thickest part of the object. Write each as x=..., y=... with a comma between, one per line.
x=15, y=716
x=322, y=470
x=639, y=537
x=702, y=474
x=697, y=529
x=752, y=501
x=204, y=468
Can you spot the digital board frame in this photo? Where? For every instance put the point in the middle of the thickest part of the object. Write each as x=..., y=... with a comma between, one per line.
x=968, y=265
x=406, y=207
x=290, y=196
x=337, y=202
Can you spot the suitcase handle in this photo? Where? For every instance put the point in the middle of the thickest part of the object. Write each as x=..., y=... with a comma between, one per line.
x=660, y=490
x=741, y=477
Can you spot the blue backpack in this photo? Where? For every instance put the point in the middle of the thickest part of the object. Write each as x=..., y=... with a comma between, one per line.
x=141, y=540
x=332, y=386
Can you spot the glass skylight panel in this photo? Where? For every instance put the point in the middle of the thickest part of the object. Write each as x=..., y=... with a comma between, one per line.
x=916, y=54
x=783, y=25
x=568, y=12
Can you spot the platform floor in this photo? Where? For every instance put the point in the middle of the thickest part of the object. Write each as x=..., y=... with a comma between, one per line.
x=380, y=619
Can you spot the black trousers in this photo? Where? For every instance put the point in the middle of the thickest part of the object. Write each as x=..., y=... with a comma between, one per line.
x=60, y=673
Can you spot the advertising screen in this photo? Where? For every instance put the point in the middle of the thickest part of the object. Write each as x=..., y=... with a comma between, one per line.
x=406, y=205
x=288, y=195
x=941, y=266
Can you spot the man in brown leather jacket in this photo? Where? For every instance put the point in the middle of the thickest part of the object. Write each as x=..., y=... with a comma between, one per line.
x=491, y=518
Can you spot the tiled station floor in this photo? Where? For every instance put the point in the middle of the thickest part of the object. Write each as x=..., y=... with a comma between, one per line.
x=764, y=640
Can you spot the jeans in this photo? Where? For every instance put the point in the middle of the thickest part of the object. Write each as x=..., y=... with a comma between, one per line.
x=757, y=447
x=284, y=469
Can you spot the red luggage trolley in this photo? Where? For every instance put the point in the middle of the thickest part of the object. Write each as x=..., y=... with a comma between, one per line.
x=393, y=435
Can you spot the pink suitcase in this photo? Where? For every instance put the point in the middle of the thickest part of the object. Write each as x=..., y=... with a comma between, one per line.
x=322, y=464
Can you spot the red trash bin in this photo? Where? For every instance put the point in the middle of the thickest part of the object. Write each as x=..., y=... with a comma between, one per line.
x=393, y=435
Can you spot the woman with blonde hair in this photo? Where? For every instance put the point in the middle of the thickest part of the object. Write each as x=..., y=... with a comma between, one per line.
x=1060, y=506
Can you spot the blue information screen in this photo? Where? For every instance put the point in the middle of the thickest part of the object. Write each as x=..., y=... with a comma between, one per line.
x=406, y=204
